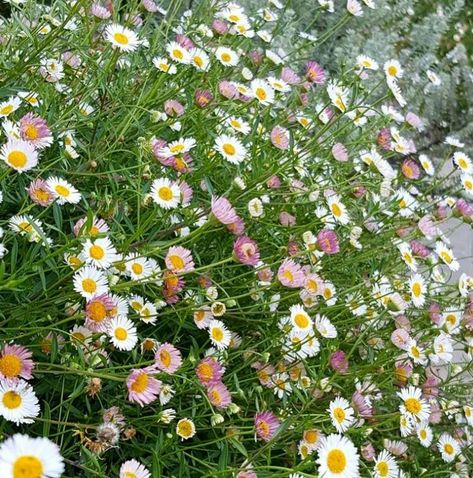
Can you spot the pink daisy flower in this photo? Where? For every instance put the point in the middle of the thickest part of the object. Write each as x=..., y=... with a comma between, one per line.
x=35, y=130
x=150, y=6
x=223, y=210
x=290, y=76
x=237, y=227
x=290, y=274
x=228, y=90
x=98, y=312
x=179, y=259
x=39, y=192
x=168, y=358
x=173, y=108
x=280, y=137
x=339, y=152
x=133, y=469
x=339, y=361
x=209, y=371
x=15, y=362
x=142, y=387
x=384, y=138
x=266, y=425
x=410, y=169
x=219, y=396
x=98, y=226
x=315, y=73
x=186, y=193
x=203, y=98
x=327, y=241
x=246, y=251
x=219, y=27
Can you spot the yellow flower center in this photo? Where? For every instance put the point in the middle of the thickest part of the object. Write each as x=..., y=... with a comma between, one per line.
x=198, y=61
x=339, y=414
x=215, y=397
x=301, y=321
x=97, y=311
x=462, y=163
x=336, y=461
x=446, y=257
x=121, y=333
x=448, y=448
x=165, y=193
x=17, y=159
x=96, y=252
x=11, y=400
x=311, y=436
x=62, y=190
x=27, y=466
x=140, y=384
x=226, y=57
x=261, y=94
x=121, y=38
x=137, y=268
x=288, y=275
x=336, y=210
x=413, y=405
x=392, y=70
x=6, y=110
x=31, y=132
x=217, y=334
x=177, y=54
x=184, y=428
x=383, y=469
x=129, y=474
x=89, y=285
x=229, y=149
x=235, y=123
x=165, y=358
x=41, y=195
x=205, y=371
x=416, y=289
x=423, y=434
x=176, y=261
x=10, y=365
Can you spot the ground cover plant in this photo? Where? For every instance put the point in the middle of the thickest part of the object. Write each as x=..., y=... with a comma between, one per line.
x=219, y=258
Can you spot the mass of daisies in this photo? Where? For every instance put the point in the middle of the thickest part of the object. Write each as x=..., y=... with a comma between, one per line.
x=221, y=258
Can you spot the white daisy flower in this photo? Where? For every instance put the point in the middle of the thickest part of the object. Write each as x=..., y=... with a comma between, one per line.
x=230, y=148
x=133, y=469
x=18, y=402
x=239, y=125
x=366, y=62
x=393, y=69
x=424, y=434
x=300, y=319
x=338, y=457
x=122, y=332
x=89, y=281
x=262, y=91
x=463, y=162
x=178, y=147
x=100, y=252
x=164, y=65
x=9, y=106
x=414, y=406
x=24, y=457
x=220, y=336
x=324, y=327
x=338, y=209
x=178, y=53
x=417, y=289
x=63, y=191
x=451, y=319
x=165, y=193
x=122, y=38
x=226, y=56
x=199, y=59
x=341, y=414
x=385, y=466
x=448, y=447
x=446, y=255
x=427, y=164
x=19, y=155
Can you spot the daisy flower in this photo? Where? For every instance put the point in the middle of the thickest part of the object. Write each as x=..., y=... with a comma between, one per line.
x=446, y=254
x=202, y=317
x=300, y=319
x=164, y=65
x=463, y=162
x=424, y=434
x=443, y=349
x=178, y=147
x=312, y=438
x=226, y=56
x=121, y=37
x=218, y=395
x=452, y=319
x=122, y=333
x=290, y=274
x=63, y=191
x=209, y=371
x=179, y=259
x=167, y=358
x=278, y=84
x=338, y=210
x=39, y=192
x=385, y=466
x=338, y=95
x=29, y=97
x=100, y=253
x=219, y=335
x=199, y=59
x=364, y=61
x=468, y=411
x=417, y=289
x=35, y=130
x=324, y=327
x=18, y=402
x=337, y=457
x=142, y=387
x=392, y=69
x=20, y=155
x=448, y=447
x=415, y=352
x=223, y=210
x=185, y=428
x=341, y=414
x=426, y=164
x=266, y=425
x=230, y=148
x=133, y=469
x=467, y=182
x=98, y=311
x=137, y=267
x=239, y=125
x=407, y=256
x=413, y=405
x=9, y=106
x=24, y=457
x=15, y=362
x=165, y=193
x=89, y=281
x=262, y=91
x=178, y=53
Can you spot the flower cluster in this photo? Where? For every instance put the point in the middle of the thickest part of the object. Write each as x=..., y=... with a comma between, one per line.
x=218, y=258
